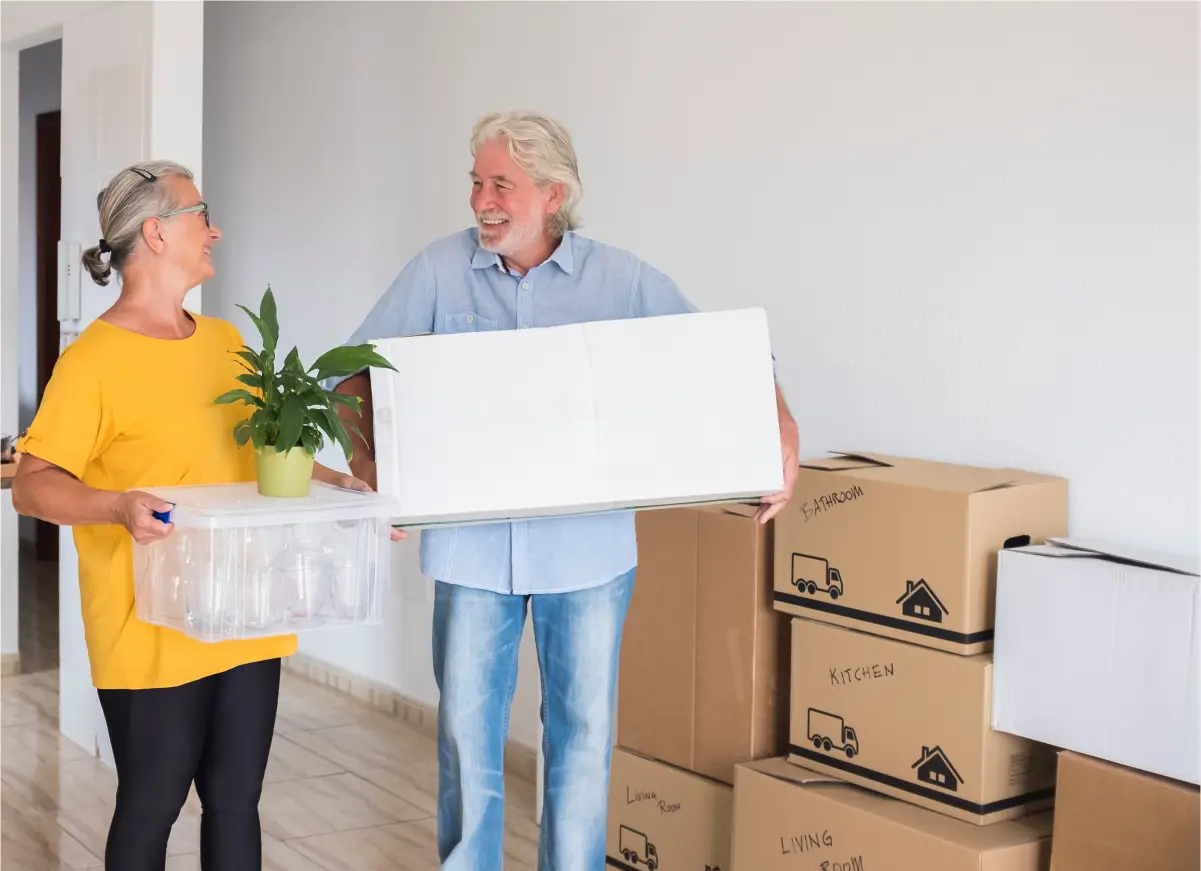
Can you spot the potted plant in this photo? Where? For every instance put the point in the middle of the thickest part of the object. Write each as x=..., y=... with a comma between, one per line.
x=293, y=413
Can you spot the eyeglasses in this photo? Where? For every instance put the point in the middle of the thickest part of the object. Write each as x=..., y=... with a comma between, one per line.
x=203, y=208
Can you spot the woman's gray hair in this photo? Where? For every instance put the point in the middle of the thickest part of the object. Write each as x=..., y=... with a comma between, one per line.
x=543, y=149
x=135, y=195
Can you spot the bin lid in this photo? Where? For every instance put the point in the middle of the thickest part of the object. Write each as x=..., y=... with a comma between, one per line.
x=230, y=506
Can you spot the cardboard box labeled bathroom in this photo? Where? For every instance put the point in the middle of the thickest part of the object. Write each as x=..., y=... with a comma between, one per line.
x=908, y=548
x=494, y=425
x=704, y=656
x=788, y=818
x=912, y=723
x=661, y=817
x=1099, y=651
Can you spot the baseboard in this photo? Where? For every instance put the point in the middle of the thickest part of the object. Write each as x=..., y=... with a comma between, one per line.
x=10, y=664
x=520, y=761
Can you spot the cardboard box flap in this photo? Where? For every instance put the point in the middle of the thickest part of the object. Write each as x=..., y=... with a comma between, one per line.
x=738, y=509
x=929, y=475
x=1184, y=564
x=977, y=838
x=842, y=461
x=782, y=769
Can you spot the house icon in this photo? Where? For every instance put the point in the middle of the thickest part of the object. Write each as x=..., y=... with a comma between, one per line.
x=934, y=767
x=919, y=601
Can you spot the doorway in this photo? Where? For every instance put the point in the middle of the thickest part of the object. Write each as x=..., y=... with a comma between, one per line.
x=41, y=230
x=49, y=232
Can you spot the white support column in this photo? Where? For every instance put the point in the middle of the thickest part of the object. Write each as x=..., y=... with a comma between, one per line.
x=10, y=101
x=133, y=88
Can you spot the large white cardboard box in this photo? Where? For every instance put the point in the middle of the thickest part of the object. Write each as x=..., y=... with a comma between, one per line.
x=591, y=417
x=1098, y=650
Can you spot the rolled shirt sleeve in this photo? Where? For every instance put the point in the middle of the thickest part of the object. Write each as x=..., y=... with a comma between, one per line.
x=405, y=309
x=655, y=295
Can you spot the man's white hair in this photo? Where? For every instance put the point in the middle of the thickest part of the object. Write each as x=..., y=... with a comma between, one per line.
x=543, y=149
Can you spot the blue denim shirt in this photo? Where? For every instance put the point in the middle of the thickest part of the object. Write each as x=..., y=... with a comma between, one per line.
x=454, y=286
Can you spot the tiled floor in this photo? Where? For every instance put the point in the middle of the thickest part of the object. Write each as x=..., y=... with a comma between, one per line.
x=347, y=788
x=38, y=608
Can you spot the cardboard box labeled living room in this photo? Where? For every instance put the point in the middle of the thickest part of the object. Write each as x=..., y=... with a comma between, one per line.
x=911, y=722
x=494, y=425
x=664, y=817
x=788, y=818
x=908, y=548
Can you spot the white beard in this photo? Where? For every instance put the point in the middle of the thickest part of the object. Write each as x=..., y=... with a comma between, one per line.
x=517, y=237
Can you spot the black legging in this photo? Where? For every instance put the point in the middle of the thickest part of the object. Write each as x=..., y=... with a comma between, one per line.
x=216, y=731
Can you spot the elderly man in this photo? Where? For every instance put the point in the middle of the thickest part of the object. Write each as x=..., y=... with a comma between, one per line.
x=523, y=265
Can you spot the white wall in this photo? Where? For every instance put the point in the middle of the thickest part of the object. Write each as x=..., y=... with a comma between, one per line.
x=974, y=226
x=41, y=91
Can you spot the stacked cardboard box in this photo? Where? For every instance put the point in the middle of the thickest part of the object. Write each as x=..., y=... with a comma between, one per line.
x=1112, y=818
x=889, y=568
x=1099, y=652
x=702, y=686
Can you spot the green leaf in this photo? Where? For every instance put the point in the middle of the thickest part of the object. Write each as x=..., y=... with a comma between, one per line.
x=242, y=432
x=254, y=382
x=244, y=396
x=310, y=437
x=270, y=319
x=353, y=429
x=354, y=403
x=292, y=364
x=264, y=332
x=258, y=430
x=347, y=360
x=335, y=429
x=291, y=419
x=251, y=357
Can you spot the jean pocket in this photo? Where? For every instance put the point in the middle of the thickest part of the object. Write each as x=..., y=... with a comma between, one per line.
x=469, y=322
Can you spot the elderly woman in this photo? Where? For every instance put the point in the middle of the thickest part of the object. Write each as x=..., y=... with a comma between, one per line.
x=130, y=405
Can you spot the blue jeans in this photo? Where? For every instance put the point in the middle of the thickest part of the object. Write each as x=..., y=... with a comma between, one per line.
x=477, y=634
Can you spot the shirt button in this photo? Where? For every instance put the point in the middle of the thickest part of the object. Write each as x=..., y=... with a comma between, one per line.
x=470, y=319
x=525, y=285
x=525, y=326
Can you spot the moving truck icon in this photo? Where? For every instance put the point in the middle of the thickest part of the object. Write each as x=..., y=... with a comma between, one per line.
x=814, y=573
x=828, y=732
x=636, y=848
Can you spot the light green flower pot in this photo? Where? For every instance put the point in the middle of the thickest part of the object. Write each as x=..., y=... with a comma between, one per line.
x=286, y=475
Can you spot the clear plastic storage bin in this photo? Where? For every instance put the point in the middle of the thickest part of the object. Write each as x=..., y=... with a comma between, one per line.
x=242, y=565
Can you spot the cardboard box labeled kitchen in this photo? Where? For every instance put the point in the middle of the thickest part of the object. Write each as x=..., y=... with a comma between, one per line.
x=908, y=548
x=910, y=722
x=1112, y=818
x=494, y=425
x=788, y=818
x=1099, y=651
x=663, y=817
x=704, y=656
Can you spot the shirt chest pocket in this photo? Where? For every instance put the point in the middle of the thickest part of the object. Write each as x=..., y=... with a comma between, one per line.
x=469, y=322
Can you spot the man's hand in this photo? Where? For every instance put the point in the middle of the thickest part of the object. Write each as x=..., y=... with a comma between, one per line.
x=135, y=511
x=350, y=482
x=790, y=456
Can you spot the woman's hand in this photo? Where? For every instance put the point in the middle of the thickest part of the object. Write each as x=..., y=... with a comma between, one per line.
x=350, y=482
x=135, y=511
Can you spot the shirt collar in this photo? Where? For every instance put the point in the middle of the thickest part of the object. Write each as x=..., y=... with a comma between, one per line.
x=564, y=255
